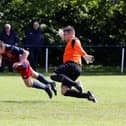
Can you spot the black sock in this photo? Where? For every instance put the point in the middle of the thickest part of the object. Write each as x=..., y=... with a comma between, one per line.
x=39, y=85
x=64, y=79
x=42, y=79
x=74, y=93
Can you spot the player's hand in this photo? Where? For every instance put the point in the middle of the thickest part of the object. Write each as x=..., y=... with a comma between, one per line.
x=15, y=65
x=89, y=59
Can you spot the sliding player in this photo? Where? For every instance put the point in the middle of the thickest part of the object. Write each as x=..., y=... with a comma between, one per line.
x=70, y=70
x=18, y=57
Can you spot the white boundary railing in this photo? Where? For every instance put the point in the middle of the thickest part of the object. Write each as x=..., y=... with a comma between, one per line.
x=47, y=61
x=123, y=59
x=59, y=46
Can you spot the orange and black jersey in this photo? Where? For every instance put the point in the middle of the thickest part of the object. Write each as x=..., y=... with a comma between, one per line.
x=73, y=52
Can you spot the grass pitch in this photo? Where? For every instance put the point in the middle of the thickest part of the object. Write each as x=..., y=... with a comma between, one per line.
x=20, y=106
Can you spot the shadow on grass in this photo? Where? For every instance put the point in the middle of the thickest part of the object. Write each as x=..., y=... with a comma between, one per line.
x=22, y=102
x=37, y=101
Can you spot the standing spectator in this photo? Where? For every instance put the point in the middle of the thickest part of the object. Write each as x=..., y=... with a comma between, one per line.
x=9, y=36
x=34, y=40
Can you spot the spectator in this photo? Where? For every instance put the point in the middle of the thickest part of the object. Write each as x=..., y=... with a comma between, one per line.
x=9, y=36
x=34, y=40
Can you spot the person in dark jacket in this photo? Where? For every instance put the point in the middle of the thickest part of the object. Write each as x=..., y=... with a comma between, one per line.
x=34, y=40
x=9, y=36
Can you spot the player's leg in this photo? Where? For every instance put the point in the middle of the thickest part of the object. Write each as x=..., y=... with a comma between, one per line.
x=76, y=71
x=42, y=79
x=26, y=72
x=34, y=84
x=67, y=91
x=65, y=79
x=60, y=75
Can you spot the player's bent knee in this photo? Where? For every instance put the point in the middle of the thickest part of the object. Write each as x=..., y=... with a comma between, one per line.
x=28, y=83
x=57, y=77
x=35, y=74
x=64, y=89
x=53, y=76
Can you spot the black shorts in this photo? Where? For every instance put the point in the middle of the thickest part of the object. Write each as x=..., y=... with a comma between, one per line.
x=70, y=69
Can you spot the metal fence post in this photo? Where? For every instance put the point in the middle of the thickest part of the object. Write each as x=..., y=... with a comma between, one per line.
x=46, y=60
x=122, y=61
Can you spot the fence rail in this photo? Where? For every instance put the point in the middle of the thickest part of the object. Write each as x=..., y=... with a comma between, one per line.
x=47, y=48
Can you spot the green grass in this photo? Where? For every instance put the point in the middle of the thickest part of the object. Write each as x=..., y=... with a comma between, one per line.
x=20, y=106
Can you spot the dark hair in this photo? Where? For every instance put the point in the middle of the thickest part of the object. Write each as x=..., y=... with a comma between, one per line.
x=69, y=29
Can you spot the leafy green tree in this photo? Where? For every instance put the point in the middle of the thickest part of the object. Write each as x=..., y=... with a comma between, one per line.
x=97, y=22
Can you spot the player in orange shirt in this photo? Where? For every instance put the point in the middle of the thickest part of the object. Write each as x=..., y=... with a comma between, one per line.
x=70, y=70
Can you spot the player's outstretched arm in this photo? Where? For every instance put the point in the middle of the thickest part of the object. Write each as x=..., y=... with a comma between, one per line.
x=82, y=52
x=89, y=58
x=24, y=56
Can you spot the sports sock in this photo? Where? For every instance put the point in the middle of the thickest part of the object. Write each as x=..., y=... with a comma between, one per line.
x=42, y=79
x=74, y=93
x=39, y=85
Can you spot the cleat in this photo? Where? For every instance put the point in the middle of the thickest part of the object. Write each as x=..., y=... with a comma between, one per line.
x=79, y=87
x=53, y=87
x=91, y=97
x=49, y=92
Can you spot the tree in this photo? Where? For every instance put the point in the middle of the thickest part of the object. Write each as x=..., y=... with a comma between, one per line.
x=97, y=22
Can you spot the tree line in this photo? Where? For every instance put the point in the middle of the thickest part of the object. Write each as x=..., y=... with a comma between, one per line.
x=97, y=22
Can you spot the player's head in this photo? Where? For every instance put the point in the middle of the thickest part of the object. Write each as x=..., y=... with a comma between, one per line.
x=69, y=32
x=2, y=46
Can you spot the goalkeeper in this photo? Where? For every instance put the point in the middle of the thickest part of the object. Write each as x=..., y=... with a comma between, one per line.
x=70, y=70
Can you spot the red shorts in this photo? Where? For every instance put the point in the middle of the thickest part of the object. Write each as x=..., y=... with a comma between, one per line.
x=25, y=70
